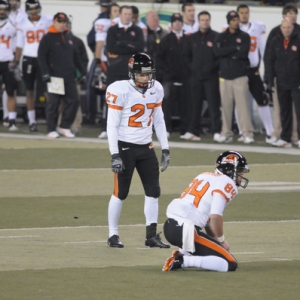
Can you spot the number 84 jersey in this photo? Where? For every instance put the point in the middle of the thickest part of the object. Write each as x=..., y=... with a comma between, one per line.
x=7, y=33
x=29, y=34
x=208, y=193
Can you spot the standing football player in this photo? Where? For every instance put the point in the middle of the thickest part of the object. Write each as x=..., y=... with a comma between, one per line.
x=134, y=107
x=30, y=32
x=7, y=64
x=200, y=207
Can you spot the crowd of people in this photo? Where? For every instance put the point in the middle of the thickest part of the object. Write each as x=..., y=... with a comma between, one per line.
x=195, y=65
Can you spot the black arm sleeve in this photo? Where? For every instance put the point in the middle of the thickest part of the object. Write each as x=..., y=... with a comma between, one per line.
x=42, y=55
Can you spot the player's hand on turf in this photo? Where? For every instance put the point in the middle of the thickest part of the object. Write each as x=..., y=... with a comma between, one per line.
x=225, y=245
x=165, y=159
x=117, y=164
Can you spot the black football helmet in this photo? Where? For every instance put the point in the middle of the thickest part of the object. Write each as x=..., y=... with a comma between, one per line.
x=14, y=4
x=232, y=164
x=33, y=5
x=141, y=63
x=4, y=5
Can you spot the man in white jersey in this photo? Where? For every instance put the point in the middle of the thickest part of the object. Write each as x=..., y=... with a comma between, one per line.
x=7, y=64
x=30, y=32
x=200, y=207
x=256, y=30
x=134, y=107
x=15, y=14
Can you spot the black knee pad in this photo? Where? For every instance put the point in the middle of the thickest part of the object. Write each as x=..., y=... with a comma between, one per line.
x=232, y=266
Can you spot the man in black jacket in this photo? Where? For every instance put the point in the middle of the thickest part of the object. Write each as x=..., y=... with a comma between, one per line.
x=232, y=47
x=203, y=64
x=283, y=62
x=58, y=57
x=169, y=61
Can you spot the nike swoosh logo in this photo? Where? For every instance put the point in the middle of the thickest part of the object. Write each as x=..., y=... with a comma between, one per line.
x=125, y=148
x=152, y=93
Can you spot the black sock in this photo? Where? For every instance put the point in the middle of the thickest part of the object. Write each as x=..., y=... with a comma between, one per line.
x=151, y=230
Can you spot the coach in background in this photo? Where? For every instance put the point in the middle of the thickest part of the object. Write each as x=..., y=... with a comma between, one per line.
x=58, y=57
x=169, y=61
x=200, y=58
x=283, y=62
x=232, y=47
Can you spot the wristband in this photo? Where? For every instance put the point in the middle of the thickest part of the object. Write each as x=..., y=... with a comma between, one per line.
x=221, y=239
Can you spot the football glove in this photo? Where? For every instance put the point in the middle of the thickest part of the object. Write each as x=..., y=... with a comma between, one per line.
x=14, y=67
x=165, y=159
x=117, y=164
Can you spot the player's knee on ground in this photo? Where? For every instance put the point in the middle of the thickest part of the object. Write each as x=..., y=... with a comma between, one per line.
x=152, y=191
x=232, y=266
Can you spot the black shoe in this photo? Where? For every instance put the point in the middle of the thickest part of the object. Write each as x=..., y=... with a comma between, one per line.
x=5, y=122
x=156, y=242
x=174, y=262
x=114, y=241
x=12, y=125
x=33, y=127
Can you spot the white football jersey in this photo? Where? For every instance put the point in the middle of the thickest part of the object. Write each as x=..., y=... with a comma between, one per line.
x=7, y=33
x=15, y=17
x=131, y=115
x=197, y=202
x=257, y=31
x=30, y=34
x=101, y=28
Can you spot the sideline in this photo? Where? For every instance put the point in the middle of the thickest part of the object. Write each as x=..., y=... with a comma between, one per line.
x=183, y=145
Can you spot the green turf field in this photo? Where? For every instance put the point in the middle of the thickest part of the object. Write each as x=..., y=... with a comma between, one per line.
x=53, y=225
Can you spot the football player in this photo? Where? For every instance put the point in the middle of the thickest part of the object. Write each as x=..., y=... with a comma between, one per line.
x=30, y=32
x=200, y=207
x=7, y=64
x=134, y=107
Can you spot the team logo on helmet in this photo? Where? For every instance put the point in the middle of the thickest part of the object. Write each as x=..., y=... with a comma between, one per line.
x=130, y=63
x=231, y=158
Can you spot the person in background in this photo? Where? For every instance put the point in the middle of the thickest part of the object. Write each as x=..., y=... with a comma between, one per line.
x=134, y=107
x=203, y=64
x=282, y=62
x=30, y=32
x=200, y=207
x=232, y=47
x=175, y=74
x=58, y=57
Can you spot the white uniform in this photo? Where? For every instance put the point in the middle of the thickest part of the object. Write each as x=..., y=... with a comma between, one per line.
x=208, y=193
x=257, y=31
x=30, y=34
x=15, y=17
x=7, y=34
x=101, y=28
x=131, y=115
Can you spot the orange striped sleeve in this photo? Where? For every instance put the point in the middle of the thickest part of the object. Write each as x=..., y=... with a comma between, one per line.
x=116, y=185
x=115, y=107
x=222, y=193
x=158, y=104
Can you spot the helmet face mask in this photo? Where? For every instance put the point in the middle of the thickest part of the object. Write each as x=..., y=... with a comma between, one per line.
x=234, y=165
x=4, y=9
x=141, y=66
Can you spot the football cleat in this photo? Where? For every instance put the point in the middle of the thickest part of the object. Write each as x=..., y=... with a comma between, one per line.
x=33, y=127
x=5, y=122
x=114, y=241
x=12, y=125
x=174, y=262
x=156, y=242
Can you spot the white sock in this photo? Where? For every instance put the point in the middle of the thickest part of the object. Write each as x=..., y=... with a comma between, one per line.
x=12, y=115
x=265, y=116
x=212, y=263
x=151, y=210
x=114, y=212
x=31, y=116
x=4, y=104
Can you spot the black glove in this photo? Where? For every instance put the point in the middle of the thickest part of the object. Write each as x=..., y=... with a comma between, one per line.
x=46, y=78
x=117, y=164
x=165, y=159
x=81, y=79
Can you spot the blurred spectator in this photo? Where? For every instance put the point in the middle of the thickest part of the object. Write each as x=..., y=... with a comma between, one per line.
x=169, y=60
x=232, y=47
x=289, y=11
x=29, y=34
x=123, y=40
x=137, y=21
x=203, y=64
x=190, y=24
x=58, y=57
x=7, y=64
x=256, y=30
x=155, y=34
x=282, y=62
